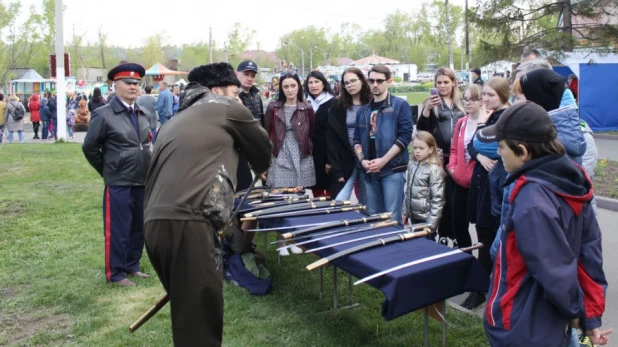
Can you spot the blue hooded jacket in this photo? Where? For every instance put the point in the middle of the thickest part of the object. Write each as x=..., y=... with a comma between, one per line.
x=548, y=269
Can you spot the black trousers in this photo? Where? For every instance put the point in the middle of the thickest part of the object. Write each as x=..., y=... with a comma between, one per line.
x=445, y=229
x=460, y=216
x=35, y=128
x=184, y=255
x=486, y=236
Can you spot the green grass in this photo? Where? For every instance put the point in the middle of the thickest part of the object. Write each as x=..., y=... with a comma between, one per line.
x=53, y=291
x=607, y=132
x=415, y=98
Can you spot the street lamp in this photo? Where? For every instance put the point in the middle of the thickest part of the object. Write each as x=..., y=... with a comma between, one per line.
x=311, y=55
x=302, y=55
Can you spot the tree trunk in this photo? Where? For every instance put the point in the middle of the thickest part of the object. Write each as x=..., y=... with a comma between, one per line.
x=567, y=29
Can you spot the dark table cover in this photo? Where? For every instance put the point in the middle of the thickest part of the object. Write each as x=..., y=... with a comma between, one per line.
x=408, y=289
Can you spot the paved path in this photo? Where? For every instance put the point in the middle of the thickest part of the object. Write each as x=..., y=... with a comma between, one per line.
x=608, y=149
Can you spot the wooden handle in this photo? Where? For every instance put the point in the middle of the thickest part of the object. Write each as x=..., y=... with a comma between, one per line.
x=317, y=264
x=243, y=219
x=473, y=247
x=385, y=224
x=148, y=314
x=286, y=236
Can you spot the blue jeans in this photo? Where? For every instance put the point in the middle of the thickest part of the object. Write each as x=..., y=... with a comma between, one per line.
x=19, y=133
x=70, y=130
x=384, y=194
x=45, y=129
x=163, y=119
x=348, y=188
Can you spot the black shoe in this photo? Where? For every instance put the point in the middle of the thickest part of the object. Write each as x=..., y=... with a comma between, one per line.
x=473, y=301
x=443, y=241
x=455, y=244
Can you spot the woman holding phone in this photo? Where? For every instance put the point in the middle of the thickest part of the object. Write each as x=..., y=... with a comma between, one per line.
x=440, y=113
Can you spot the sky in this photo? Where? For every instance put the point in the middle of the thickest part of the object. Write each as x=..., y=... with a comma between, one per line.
x=130, y=22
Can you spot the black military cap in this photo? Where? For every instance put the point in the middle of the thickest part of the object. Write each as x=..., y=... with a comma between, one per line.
x=131, y=73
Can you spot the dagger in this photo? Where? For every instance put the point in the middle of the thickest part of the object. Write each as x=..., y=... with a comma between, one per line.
x=318, y=211
x=409, y=235
x=357, y=230
x=255, y=207
x=283, y=198
x=420, y=261
x=335, y=224
x=303, y=237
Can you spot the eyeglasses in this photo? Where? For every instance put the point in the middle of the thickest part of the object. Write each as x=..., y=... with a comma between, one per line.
x=470, y=100
x=350, y=82
x=372, y=81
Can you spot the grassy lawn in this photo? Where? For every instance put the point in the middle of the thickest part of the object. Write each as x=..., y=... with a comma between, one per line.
x=606, y=178
x=53, y=291
x=415, y=98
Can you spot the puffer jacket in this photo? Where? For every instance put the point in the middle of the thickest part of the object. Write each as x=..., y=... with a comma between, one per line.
x=35, y=109
x=303, y=123
x=114, y=148
x=424, y=192
x=253, y=102
x=569, y=131
x=589, y=159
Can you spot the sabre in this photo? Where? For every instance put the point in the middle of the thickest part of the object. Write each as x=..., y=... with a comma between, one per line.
x=335, y=224
x=419, y=261
x=317, y=211
x=288, y=227
x=295, y=207
x=255, y=207
x=164, y=299
x=303, y=237
x=409, y=235
x=342, y=233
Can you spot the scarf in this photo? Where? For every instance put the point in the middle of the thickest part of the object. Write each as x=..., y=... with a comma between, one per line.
x=321, y=99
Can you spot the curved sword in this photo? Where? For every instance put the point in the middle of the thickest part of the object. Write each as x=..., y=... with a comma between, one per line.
x=419, y=261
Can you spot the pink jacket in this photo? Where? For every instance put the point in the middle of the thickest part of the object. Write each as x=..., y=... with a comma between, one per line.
x=463, y=171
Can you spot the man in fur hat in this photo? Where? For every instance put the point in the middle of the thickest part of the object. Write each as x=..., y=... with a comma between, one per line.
x=190, y=196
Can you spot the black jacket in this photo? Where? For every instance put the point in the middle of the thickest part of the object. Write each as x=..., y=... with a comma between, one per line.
x=340, y=152
x=253, y=102
x=113, y=147
x=320, y=158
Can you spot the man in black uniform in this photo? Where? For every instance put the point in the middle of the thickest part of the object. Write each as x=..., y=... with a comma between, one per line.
x=117, y=145
x=189, y=197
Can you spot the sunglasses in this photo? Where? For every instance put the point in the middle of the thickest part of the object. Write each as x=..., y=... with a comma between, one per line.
x=372, y=81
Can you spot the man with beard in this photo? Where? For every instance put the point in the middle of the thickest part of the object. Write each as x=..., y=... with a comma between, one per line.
x=190, y=195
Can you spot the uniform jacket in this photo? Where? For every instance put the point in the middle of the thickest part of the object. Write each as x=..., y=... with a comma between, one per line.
x=35, y=109
x=253, y=102
x=194, y=164
x=424, y=192
x=394, y=127
x=303, y=123
x=457, y=161
x=548, y=267
x=113, y=147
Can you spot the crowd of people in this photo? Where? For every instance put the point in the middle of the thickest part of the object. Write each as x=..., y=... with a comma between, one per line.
x=510, y=168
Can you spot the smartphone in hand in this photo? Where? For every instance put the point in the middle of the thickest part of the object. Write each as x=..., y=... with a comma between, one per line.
x=433, y=91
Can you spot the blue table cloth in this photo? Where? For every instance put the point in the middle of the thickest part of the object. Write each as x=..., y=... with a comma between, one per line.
x=408, y=289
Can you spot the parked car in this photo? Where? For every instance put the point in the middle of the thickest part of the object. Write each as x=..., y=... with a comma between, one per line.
x=424, y=77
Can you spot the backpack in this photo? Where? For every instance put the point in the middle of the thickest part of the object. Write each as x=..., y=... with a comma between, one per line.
x=18, y=113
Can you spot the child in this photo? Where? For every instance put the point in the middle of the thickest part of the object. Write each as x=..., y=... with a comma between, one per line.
x=548, y=270
x=424, y=189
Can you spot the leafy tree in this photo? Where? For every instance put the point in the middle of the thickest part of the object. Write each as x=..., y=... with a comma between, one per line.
x=238, y=40
x=509, y=27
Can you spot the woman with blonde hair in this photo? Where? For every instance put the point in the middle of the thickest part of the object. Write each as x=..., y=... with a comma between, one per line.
x=440, y=112
x=488, y=176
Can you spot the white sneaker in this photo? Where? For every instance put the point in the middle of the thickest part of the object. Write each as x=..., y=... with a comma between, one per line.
x=296, y=250
x=284, y=252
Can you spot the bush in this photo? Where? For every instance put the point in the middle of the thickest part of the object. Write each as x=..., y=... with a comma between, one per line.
x=398, y=79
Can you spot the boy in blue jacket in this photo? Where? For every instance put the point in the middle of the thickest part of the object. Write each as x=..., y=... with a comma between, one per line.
x=548, y=274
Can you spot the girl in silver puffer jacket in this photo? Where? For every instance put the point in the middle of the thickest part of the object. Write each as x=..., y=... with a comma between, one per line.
x=424, y=188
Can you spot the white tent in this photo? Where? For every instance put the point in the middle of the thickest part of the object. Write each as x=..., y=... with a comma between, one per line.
x=574, y=59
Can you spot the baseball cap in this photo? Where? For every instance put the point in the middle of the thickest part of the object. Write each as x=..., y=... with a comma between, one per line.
x=477, y=71
x=247, y=65
x=527, y=122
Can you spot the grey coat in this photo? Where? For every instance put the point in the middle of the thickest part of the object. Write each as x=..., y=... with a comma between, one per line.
x=424, y=192
x=148, y=102
x=11, y=124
